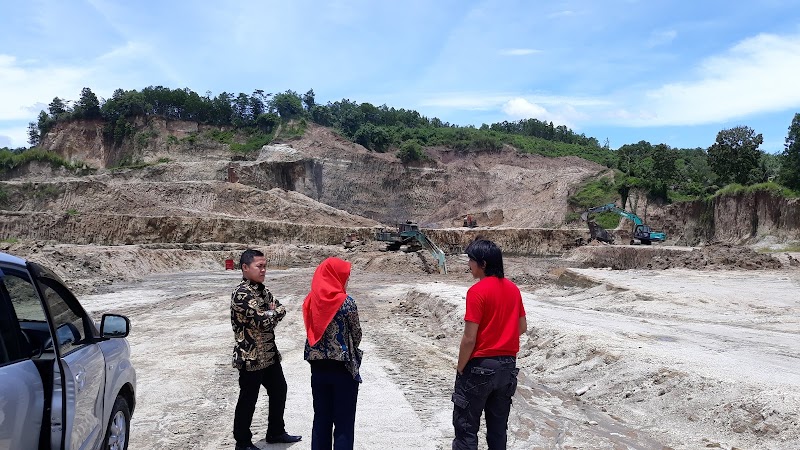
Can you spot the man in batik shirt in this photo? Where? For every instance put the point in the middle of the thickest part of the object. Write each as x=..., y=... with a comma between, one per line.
x=254, y=315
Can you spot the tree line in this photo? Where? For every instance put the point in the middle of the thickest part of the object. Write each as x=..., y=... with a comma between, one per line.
x=663, y=171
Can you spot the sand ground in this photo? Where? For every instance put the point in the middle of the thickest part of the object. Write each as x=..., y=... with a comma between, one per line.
x=631, y=359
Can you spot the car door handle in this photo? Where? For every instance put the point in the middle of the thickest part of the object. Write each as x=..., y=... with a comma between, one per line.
x=80, y=380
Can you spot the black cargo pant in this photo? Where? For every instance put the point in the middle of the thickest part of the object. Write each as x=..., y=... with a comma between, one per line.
x=487, y=384
x=273, y=380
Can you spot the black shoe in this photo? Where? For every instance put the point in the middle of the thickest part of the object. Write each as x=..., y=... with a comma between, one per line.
x=284, y=438
x=247, y=447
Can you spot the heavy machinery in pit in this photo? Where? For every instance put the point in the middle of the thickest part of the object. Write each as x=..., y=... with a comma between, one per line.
x=641, y=233
x=409, y=238
x=470, y=221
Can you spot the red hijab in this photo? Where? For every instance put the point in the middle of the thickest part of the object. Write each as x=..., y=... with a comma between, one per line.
x=326, y=297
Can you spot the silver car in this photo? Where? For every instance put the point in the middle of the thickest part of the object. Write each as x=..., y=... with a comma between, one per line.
x=64, y=384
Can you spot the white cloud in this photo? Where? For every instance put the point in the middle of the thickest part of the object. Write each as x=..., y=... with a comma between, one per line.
x=757, y=75
x=23, y=88
x=469, y=101
x=14, y=137
x=519, y=51
x=557, y=14
x=661, y=37
x=520, y=108
x=485, y=101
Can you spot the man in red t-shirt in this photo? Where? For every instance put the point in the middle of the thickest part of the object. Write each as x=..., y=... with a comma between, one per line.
x=487, y=358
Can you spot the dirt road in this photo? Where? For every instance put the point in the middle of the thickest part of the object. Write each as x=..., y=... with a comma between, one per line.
x=612, y=360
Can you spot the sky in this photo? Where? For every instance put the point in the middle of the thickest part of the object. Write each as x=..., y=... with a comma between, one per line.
x=665, y=71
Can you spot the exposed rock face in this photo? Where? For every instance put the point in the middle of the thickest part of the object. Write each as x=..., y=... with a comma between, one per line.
x=735, y=219
x=80, y=140
x=503, y=188
x=323, y=179
x=151, y=139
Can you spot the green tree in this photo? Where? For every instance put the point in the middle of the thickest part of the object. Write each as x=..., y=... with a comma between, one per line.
x=694, y=177
x=410, y=150
x=323, y=115
x=372, y=137
x=44, y=123
x=790, y=158
x=57, y=108
x=241, y=111
x=371, y=113
x=308, y=100
x=735, y=155
x=257, y=103
x=288, y=105
x=631, y=158
x=221, y=110
x=33, y=134
x=769, y=167
x=88, y=106
x=664, y=157
x=663, y=170
x=267, y=122
x=348, y=116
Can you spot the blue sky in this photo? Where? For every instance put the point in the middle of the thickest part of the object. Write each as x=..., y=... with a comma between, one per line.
x=670, y=71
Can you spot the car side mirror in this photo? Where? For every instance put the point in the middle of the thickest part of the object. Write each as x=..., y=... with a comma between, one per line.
x=114, y=326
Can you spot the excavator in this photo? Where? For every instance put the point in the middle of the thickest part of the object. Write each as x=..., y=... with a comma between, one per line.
x=642, y=234
x=470, y=221
x=409, y=238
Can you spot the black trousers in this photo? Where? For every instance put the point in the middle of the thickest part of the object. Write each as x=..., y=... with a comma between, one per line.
x=335, y=394
x=273, y=380
x=486, y=386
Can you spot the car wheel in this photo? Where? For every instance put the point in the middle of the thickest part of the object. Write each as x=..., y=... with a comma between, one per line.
x=118, y=426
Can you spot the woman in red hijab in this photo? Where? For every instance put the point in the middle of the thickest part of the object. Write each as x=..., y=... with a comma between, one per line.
x=334, y=333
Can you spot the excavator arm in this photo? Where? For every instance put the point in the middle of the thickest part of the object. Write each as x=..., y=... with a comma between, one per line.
x=437, y=253
x=641, y=231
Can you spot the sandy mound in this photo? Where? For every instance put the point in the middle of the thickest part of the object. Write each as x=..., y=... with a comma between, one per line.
x=715, y=256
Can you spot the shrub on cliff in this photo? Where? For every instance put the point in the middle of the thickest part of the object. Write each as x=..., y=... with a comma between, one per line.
x=11, y=160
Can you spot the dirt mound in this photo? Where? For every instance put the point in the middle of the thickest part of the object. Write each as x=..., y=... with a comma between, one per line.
x=716, y=256
x=91, y=268
x=178, y=198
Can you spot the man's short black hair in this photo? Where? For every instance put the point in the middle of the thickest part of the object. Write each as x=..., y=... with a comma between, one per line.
x=248, y=256
x=488, y=255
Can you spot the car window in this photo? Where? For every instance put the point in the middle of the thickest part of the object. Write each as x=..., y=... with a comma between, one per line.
x=20, y=303
x=26, y=303
x=70, y=326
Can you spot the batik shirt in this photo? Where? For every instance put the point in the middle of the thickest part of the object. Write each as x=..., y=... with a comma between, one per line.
x=341, y=340
x=253, y=328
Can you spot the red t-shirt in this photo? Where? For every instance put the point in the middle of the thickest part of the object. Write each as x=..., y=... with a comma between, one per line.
x=495, y=304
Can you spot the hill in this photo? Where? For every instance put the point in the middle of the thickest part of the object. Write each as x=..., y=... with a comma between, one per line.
x=182, y=169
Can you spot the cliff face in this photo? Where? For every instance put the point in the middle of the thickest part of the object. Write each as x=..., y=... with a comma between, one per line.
x=80, y=140
x=738, y=219
x=149, y=139
x=331, y=177
x=502, y=188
